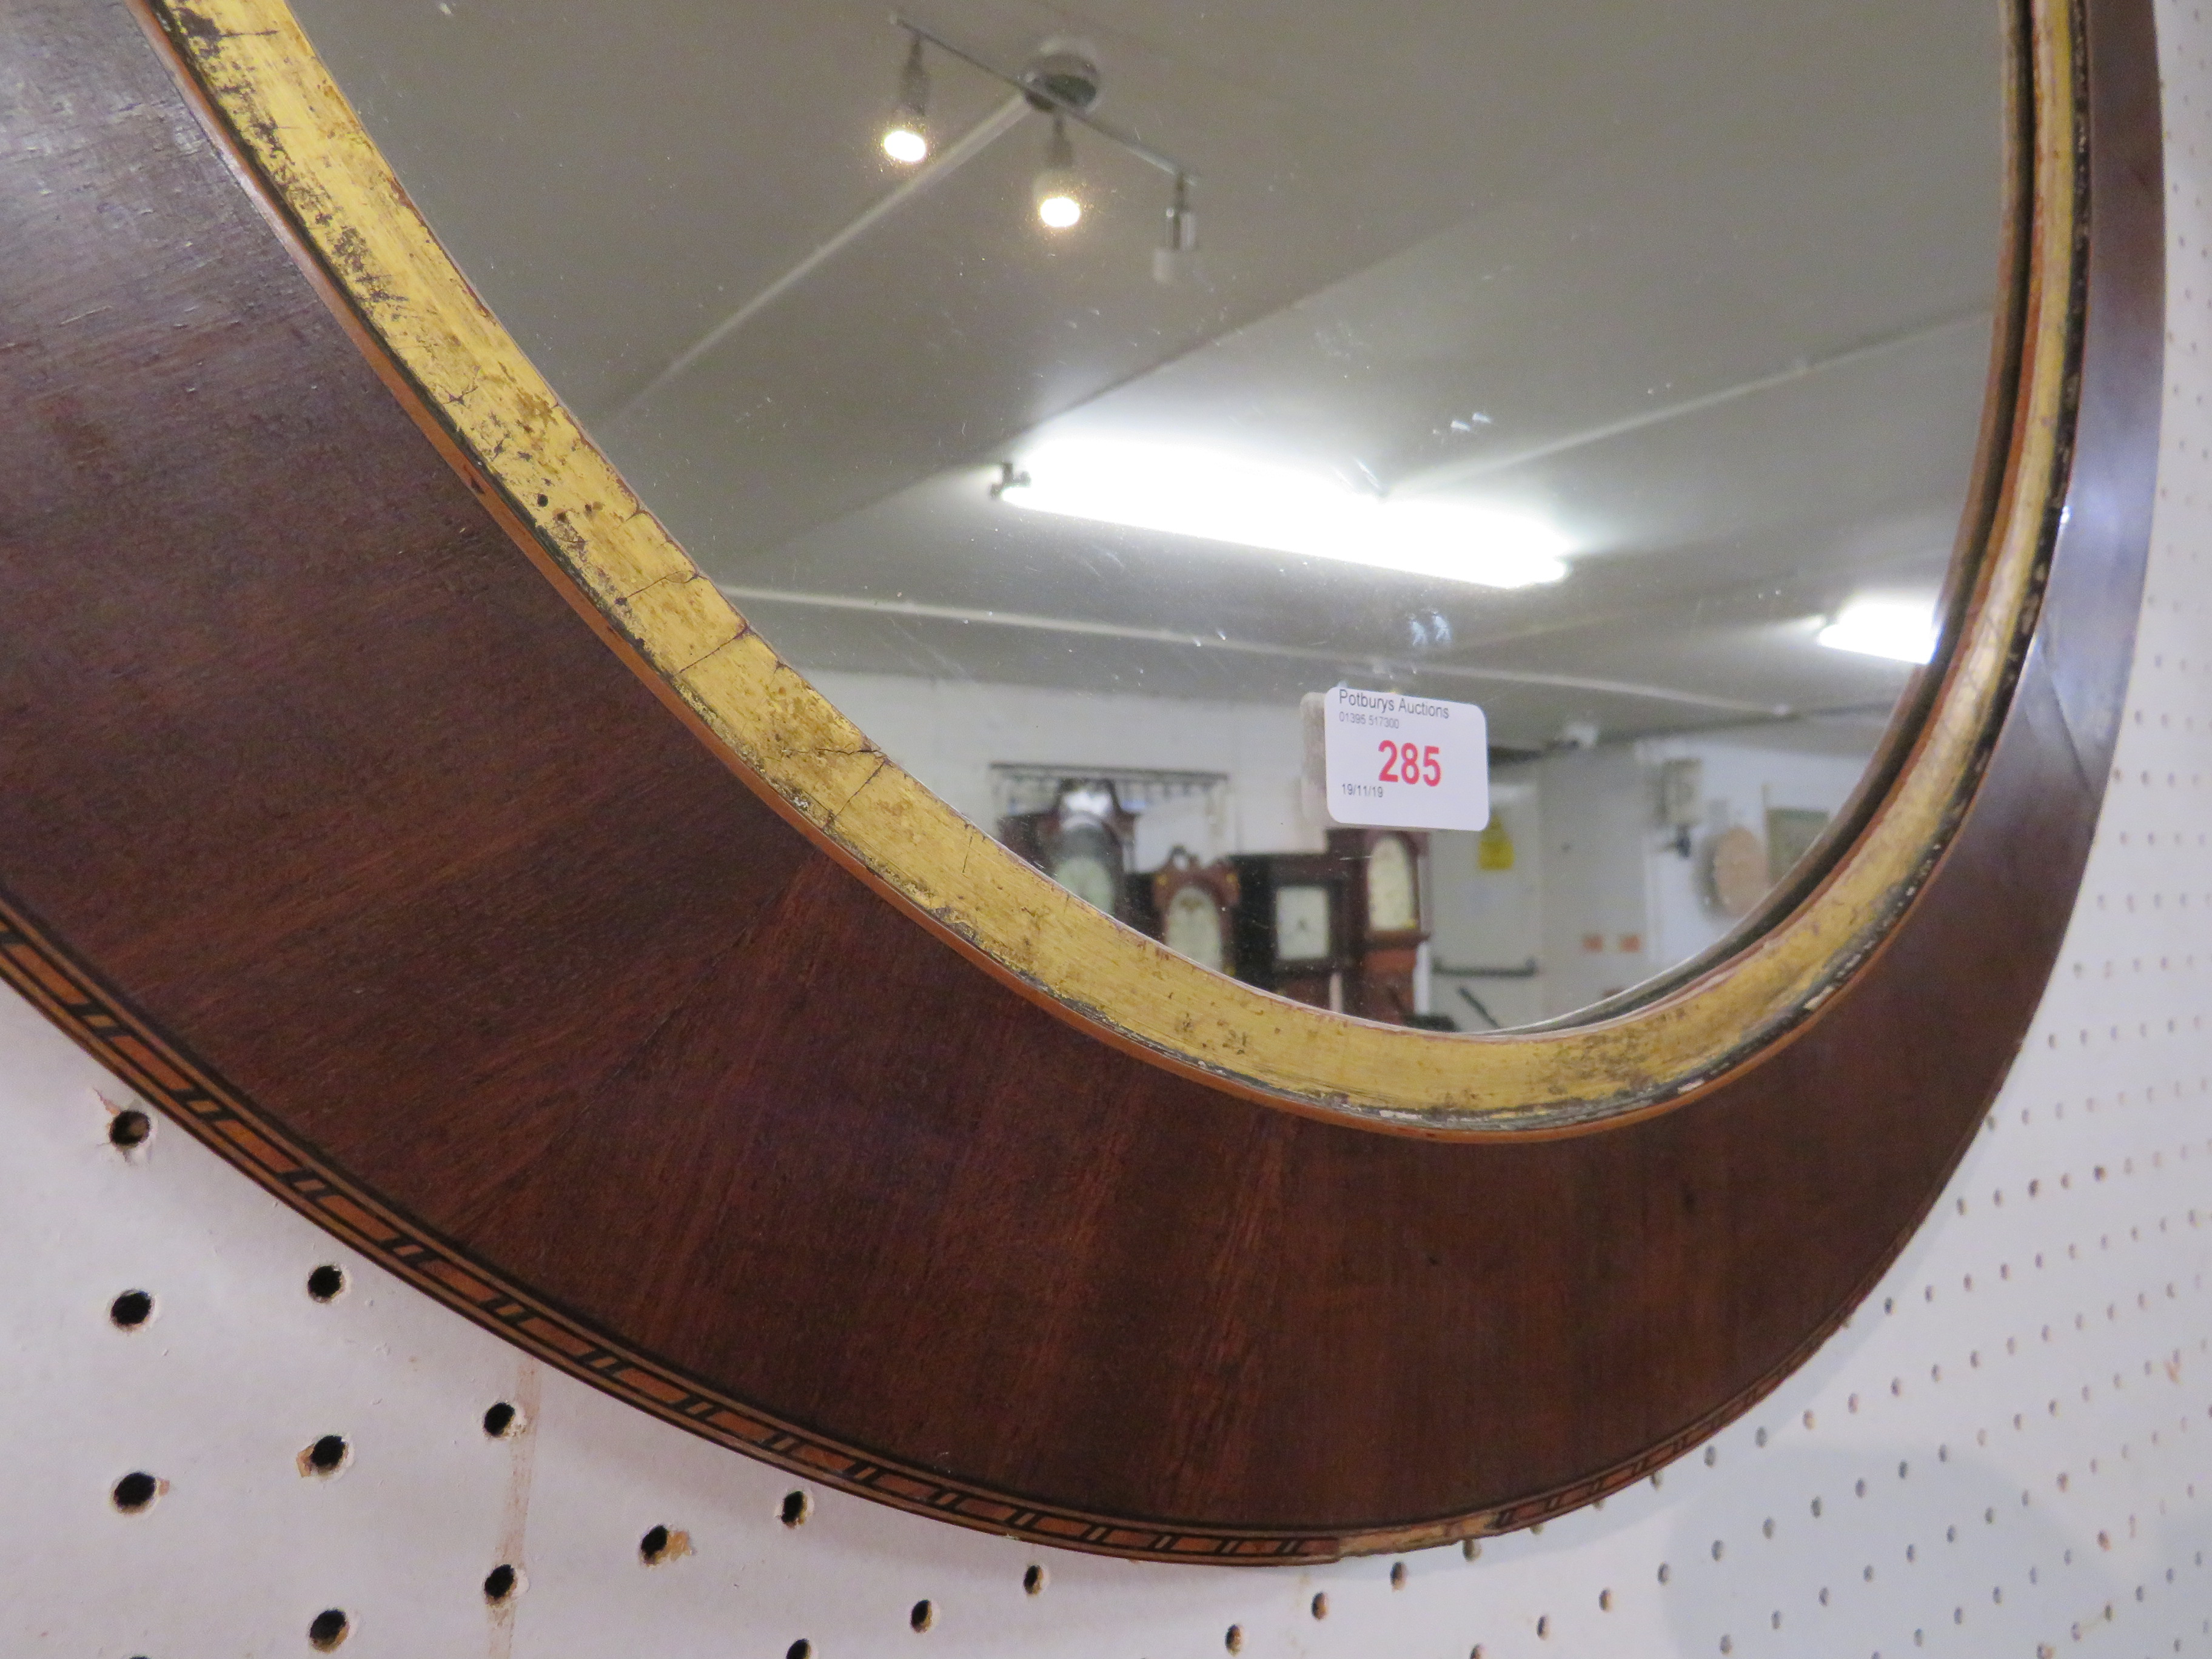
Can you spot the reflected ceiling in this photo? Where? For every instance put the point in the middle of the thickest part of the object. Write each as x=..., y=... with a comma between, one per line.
x=1704, y=286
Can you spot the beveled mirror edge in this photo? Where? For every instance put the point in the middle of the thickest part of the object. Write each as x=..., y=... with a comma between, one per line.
x=502, y=428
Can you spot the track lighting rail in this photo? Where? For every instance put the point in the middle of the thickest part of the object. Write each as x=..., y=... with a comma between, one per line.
x=1045, y=98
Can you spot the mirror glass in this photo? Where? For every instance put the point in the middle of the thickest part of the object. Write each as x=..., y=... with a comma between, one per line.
x=1428, y=509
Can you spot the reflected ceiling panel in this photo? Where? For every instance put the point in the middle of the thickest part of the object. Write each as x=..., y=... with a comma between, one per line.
x=1599, y=363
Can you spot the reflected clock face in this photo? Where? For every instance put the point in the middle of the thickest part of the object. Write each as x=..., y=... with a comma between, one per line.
x=1393, y=905
x=1301, y=931
x=1086, y=876
x=1738, y=871
x=1192, y=927
x=1086, y=859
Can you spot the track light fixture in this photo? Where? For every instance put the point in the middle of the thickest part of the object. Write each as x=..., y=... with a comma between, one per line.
x=906, y=140
x=1057, y=191
x=1172, y=258
x=1060, y=82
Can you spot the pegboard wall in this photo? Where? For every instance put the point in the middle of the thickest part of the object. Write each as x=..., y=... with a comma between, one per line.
x=222, y=1435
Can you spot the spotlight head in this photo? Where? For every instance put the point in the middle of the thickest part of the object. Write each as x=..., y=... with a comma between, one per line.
x=1057, y=190
x=906, y=139
x=1172, y=259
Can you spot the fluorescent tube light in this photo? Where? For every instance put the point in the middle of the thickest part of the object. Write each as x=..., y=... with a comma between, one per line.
x=1221, y=499
x=1903, y=630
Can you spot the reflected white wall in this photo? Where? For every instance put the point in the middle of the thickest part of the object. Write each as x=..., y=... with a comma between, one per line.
x=949, y=733
x=1599, y=897
x=1744, y=779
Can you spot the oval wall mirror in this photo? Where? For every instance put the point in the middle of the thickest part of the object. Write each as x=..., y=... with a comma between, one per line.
x=1569, y=416
x=1219, y=785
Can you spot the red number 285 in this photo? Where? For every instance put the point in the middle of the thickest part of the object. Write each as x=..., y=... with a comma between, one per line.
x=1407, y=762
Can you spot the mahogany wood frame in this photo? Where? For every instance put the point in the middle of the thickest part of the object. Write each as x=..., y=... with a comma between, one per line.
x=353, y=818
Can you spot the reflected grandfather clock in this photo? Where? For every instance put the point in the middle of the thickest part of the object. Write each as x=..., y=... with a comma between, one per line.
x=1190, y=908
x=1084, y=841
x=1290, y=929
x=1384, y=918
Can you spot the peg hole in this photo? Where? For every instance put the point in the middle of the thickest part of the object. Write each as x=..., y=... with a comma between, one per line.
x=130, y=1310
x=326, y=1457
x=328, y=1629
x=136, y=1492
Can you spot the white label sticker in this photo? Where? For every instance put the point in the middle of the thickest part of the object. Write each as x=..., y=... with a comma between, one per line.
x=1404, y=762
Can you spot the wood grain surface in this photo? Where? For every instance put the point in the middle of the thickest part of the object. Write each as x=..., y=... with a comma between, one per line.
x=331, y=822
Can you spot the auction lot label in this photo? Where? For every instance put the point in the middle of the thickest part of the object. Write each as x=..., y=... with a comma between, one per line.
x=1404, y=762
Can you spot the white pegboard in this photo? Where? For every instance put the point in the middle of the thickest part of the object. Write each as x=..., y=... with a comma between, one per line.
x=2001, y=1454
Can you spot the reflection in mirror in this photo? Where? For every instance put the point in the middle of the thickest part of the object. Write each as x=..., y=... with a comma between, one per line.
x=1073, y=393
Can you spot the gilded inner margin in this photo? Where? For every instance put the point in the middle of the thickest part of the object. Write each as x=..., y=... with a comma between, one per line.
x=296, y=130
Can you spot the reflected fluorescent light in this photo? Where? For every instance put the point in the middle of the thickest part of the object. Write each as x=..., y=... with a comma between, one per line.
x=1222, y=498
x=1903, y=630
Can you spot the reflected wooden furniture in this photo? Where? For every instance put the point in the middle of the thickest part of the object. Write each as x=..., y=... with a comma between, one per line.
x=1340, y=929
x=1294, y=927
x=1085, y=841
x=1385, y=911
x=1190, y=908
